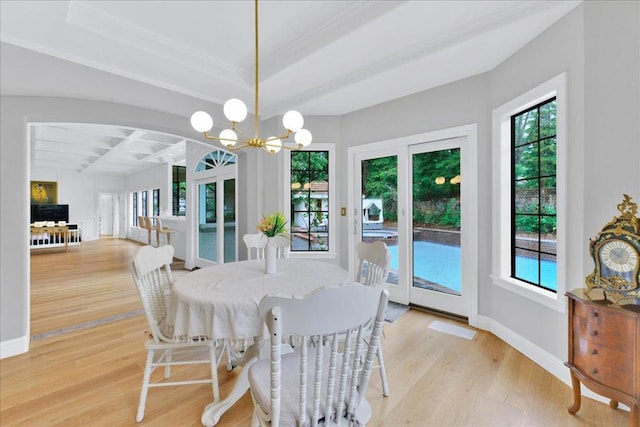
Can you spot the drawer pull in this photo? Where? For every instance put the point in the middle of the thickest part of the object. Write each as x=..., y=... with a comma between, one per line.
x=594, y=314
x=593, y=333
x=594, y=371
x=594, y=352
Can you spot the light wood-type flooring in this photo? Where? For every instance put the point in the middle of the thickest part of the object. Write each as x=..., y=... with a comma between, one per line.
x=92, y=376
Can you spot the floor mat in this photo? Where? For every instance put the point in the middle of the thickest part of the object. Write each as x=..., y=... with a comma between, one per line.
x=450, y=329
x=394, y=311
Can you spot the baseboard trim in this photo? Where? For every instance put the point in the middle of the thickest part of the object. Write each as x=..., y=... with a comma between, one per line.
x=546, y=360
x=14, y=347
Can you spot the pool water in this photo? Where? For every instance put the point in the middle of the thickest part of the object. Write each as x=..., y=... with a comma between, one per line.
x=441, y=264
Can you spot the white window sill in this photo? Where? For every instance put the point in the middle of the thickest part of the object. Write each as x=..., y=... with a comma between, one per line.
x=541, y=296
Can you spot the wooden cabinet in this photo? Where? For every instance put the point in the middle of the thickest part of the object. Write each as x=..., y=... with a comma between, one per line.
x=604, y=351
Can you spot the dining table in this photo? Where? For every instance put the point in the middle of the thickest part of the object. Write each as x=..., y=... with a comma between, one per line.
x=221, y=302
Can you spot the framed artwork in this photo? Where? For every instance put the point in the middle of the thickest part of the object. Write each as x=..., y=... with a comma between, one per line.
x=44, y=193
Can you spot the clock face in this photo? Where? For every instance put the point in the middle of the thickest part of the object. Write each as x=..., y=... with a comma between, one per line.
x=619, y=256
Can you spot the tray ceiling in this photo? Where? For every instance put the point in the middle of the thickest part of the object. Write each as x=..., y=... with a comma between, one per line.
x=320, y=57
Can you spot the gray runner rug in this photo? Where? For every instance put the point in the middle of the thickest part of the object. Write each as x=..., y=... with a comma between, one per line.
x=394, y=311
x=88, y=324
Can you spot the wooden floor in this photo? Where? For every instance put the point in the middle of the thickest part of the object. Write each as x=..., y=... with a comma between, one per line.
x=92, y=376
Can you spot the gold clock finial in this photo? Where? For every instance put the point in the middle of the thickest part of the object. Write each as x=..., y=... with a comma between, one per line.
x=627, y=208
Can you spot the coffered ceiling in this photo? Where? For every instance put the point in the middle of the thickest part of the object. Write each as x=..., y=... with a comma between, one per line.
x=320, y=57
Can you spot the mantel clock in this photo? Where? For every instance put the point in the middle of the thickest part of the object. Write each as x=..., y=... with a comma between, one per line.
x=616, y=255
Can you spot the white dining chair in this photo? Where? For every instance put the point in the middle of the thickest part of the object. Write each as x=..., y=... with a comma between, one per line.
x=255, y=243
x=283, y=246
x=324, y=378
x=151, y=272
x=374, y=261
x=373, y=269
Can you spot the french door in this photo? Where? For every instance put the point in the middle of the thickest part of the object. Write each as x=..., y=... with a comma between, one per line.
x=216, y=220
x=418, y=198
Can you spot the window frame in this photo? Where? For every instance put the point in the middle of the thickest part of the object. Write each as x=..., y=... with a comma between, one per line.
x=502, y=190
x=178, y=172
x=144, y=203
x=155, y=202
x=332, y=209
x=539, y=215
x=134, y=209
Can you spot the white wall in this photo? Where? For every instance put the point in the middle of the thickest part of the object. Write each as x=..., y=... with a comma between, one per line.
x=149, y=179
x=611, y=110
x=558, y=49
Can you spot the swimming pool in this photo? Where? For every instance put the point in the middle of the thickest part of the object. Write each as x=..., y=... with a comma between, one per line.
x=441, y=264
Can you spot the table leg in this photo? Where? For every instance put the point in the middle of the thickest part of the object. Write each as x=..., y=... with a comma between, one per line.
x=575, y=382
x=213, y=411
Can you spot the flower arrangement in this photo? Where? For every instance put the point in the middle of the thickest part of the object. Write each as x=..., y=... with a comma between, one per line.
x=273, y=225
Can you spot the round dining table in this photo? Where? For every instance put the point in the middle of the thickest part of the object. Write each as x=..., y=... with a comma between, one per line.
x=221, y=302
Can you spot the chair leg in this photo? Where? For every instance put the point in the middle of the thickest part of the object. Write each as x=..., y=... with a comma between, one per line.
x=214, y=371
x=167, y=358
x=383, y=372
x=145, y=385
x=255, y=421
x=229, y=361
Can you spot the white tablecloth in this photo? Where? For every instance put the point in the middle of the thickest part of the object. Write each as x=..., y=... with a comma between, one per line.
x=221, y=302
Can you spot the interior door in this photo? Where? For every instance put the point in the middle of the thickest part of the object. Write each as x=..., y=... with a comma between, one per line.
x=106, y=214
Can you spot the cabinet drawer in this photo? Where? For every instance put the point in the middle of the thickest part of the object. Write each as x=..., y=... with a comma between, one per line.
x=612, y=331
x=608, y=367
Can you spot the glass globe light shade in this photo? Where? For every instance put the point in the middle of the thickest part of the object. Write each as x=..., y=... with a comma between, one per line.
x=201, y=121
x=235, y=110
x=440, y=180
x=303, y=137
x=292, y=121
x=273, y=145
x=228, y=137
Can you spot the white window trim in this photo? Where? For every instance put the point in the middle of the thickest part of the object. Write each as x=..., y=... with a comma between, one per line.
x=333, y=210
x=501, y=269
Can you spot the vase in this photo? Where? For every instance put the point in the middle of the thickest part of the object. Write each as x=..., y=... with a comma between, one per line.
x=270, y=252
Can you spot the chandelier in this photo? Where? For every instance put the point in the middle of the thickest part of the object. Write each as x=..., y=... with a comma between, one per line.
x=236, y=111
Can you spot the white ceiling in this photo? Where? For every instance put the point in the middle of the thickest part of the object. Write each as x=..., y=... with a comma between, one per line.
x=102, y=149
x=319, y=57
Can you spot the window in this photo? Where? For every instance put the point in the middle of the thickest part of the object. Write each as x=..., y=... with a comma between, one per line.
x=530, y=203
x=144, y=204
x=134, y=210
x=156, y=202
x=179, y=190
x=533, y=200
x=309, y=201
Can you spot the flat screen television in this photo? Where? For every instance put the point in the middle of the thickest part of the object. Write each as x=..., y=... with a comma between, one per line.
x=49, y=213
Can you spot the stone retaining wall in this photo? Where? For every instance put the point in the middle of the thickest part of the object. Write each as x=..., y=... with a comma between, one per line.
x=452, y=238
